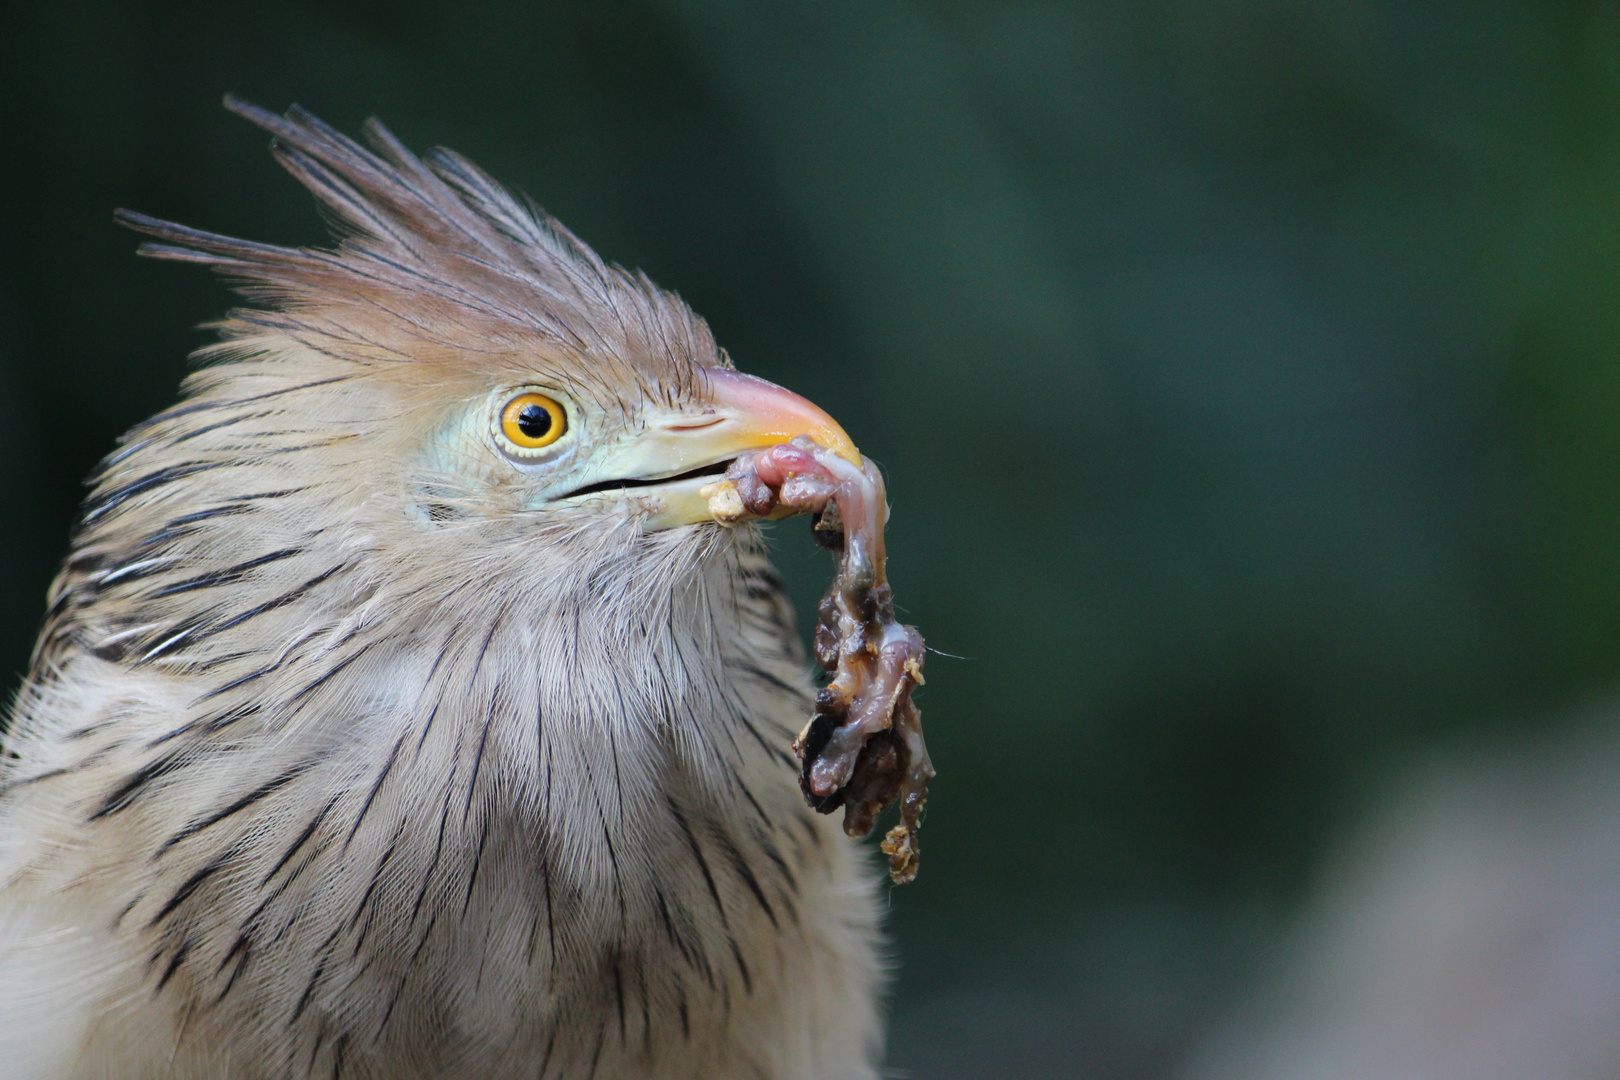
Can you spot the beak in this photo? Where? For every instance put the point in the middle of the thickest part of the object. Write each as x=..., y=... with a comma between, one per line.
x=677, y=453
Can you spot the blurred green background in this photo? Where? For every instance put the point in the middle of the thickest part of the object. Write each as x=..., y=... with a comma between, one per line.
x=1247, y=373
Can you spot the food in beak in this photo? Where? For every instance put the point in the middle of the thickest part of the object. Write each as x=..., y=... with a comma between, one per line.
x=863, y=749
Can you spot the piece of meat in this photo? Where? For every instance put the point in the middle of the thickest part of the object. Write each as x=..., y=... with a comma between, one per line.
x=863, y=749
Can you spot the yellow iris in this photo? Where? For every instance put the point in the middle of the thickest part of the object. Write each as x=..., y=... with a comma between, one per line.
x=533, y=421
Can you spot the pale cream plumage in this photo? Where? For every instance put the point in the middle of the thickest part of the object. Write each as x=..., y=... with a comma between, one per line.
x=358, y=747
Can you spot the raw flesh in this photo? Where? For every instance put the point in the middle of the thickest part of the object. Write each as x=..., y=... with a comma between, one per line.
x=863, y=749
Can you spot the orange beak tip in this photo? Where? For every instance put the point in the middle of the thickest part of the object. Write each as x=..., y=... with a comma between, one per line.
x=774, y=414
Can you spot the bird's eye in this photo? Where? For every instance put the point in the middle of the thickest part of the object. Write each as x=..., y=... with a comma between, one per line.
x=532, y=422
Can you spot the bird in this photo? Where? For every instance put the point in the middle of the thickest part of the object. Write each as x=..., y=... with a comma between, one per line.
x=400, y=711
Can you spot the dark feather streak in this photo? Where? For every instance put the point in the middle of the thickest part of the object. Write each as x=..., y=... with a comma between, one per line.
x=371, y=795
x=744, y=871
x=127, y=792
x=300, y=840
x=325, y=952
x=229, y=575
x=175, y=961
x=193, y=883
x=98, y=505
x=269, y=787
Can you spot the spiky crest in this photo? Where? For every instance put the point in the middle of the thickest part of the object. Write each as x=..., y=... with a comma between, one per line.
x=435, y=260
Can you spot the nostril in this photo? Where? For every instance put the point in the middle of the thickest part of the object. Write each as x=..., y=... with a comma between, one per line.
x=696, y=425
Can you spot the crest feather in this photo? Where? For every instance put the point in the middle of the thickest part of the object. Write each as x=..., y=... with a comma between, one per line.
x=433, y=254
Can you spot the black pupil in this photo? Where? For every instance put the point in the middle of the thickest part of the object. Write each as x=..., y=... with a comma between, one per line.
x=534, y=421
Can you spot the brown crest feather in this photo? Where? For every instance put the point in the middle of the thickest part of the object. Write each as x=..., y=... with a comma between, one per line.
x=434, y=257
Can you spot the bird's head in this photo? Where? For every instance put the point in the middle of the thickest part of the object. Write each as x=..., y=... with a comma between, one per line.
x=501, y=368
x=459, y=372
x=457, y=421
